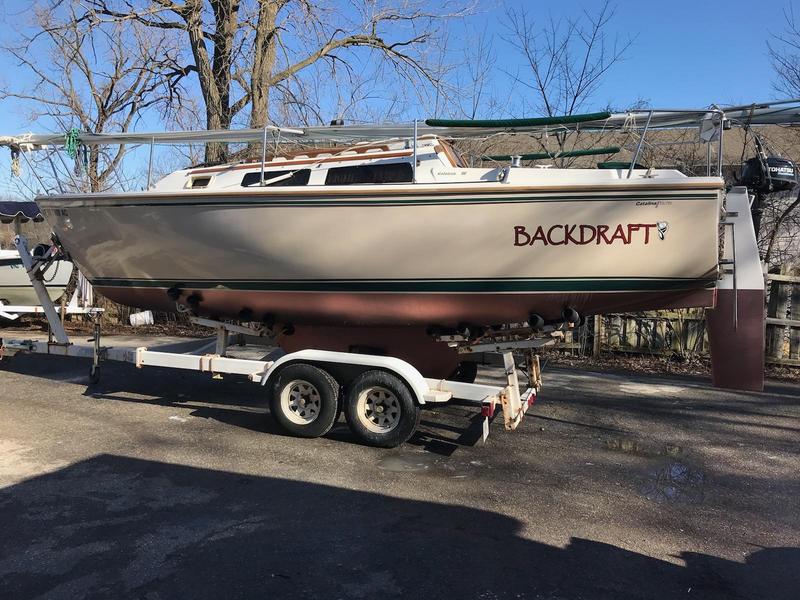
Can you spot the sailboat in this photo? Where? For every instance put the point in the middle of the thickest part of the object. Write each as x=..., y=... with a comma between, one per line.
x=377, y=242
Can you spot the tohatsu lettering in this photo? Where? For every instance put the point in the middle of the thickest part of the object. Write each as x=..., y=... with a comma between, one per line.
x=582, y=235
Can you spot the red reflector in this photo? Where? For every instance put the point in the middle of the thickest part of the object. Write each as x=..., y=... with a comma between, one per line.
x=487, y=410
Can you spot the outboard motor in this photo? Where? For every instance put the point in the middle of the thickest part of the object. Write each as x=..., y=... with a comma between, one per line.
x=766, y=173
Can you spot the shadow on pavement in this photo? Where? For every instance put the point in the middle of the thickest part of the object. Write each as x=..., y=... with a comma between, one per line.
x=233, y=400
x=113, y=527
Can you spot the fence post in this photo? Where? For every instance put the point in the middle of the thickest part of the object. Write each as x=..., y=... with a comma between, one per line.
x=598, y=334
x=794, y=332
x=776, y=309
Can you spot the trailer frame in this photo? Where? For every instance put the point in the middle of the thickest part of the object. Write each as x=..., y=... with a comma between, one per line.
x=213, y=358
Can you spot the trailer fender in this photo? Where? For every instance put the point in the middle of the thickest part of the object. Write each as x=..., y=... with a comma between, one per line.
x=407, y=372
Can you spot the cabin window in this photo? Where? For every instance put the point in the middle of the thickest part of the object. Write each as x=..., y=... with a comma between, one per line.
x=199, y=182
x=387, y=173
x=299, y=177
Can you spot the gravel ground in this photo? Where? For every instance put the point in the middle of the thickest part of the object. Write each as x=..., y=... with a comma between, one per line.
x=157, y=484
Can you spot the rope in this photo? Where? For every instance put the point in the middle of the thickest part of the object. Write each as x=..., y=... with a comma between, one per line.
x=15, y=169
x=72, y=142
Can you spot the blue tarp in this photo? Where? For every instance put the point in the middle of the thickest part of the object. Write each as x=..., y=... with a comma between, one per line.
x=24, y=211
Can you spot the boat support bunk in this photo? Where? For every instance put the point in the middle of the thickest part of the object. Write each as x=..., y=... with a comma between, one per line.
x=382, y=394
x=12, y=312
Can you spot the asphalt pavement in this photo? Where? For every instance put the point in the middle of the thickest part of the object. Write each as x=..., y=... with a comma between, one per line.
x=160, y=484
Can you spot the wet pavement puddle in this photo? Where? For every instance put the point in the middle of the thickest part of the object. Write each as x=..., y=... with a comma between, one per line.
x=675, y=482
x=406, y=464
x=418, y=462
x=672, y=479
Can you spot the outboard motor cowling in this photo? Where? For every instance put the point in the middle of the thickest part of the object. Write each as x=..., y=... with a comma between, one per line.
x=781, y=173
x=766, y=174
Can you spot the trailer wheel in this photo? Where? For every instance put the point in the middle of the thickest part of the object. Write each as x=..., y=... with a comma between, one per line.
x=304, y=400
x=94, y=375
x=380, y=410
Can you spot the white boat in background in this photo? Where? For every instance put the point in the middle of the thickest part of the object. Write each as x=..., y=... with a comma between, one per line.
x=15, y=286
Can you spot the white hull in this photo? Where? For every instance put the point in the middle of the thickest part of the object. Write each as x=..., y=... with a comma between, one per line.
x=15, y=286
x=401, y=254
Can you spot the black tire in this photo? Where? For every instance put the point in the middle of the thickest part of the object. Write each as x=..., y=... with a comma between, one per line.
x=304, y=400
x=380, y=409
x=466, y=372
x=94, y=375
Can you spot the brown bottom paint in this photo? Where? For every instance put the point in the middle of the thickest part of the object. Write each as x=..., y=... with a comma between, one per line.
x=411, y=344
x=396, y=324
x=446, y=309
x=737, y=354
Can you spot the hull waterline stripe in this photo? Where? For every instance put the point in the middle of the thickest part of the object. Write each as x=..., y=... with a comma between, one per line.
x=421, y=285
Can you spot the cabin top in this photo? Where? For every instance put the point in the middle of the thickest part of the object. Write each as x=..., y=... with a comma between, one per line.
x=386, y=162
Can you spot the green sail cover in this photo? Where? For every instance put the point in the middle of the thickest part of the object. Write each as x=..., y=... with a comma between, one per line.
x=565, y=154
x=511, y=123
x=612, y=164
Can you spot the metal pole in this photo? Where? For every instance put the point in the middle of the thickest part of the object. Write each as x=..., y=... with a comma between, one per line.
x=719, y=148
x=30, y=166
x=708, y=159
x=66, y=168
x=55, y=172
x=735, y=282
x=414, y=164
x=119, y=178
x=56, y=326
x=639, y=145
x=263, y=156
x=150, y=163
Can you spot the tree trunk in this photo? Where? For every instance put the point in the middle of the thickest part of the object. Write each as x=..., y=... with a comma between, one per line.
x=263, y=62
x=93, y=169
x=217, y=115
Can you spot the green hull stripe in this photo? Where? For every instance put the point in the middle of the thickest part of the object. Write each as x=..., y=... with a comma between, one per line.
x=421, y=285
x=283, y=202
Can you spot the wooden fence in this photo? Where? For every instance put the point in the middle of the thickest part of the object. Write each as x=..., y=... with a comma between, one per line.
x=657, y=332
x=783, y=320
x=683, y=332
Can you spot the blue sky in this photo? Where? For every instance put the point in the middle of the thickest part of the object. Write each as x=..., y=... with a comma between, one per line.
x=685, y=54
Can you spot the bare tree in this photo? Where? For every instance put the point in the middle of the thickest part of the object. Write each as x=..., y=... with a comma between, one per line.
x=479, y=62
x=777, y=228
x=784, y=54
x=781, y=210
x=564, y=62
x=244, y=51
x=96, y=78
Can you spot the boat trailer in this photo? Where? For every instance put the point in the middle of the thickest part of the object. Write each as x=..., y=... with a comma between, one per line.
x=380, y=395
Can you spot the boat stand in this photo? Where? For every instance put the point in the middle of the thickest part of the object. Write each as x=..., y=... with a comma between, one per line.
x=214, y=357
